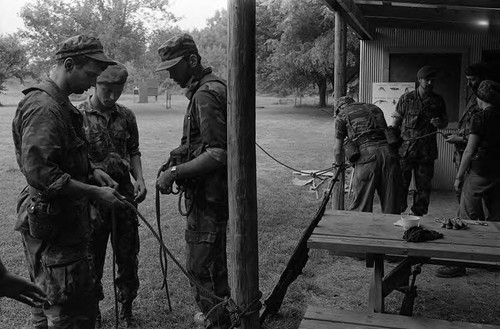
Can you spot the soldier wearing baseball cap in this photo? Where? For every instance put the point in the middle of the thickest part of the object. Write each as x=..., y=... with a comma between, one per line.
x=199, y=165
x=51, y=152
x=118, y=154
x=172, y=51
x=86, y=45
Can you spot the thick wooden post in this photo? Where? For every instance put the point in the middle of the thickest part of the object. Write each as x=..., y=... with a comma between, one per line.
x=339, y=90
x=241, y=158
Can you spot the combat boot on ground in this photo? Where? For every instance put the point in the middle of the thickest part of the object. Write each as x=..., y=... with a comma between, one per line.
x=127, y=316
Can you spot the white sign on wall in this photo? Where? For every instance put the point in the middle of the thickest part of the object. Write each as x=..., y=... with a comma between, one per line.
x=386, y=95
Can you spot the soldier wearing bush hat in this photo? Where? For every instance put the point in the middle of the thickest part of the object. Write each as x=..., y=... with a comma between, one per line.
x=199, y=165
x=419, y=113
x=53, y=156
x=117, y=152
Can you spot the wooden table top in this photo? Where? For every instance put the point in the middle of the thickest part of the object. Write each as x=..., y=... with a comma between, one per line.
x=360, y=233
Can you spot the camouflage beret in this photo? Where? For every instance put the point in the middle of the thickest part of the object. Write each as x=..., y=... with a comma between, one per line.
x=83, y=45
x=116, y=74
x=426, y=72
x=341, y=102
x=489, y=91
x=172, y=51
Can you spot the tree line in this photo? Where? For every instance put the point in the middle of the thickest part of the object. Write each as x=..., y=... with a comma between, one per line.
x=294, y=41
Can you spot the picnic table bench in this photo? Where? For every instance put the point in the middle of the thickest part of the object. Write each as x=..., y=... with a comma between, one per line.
x=320, y=318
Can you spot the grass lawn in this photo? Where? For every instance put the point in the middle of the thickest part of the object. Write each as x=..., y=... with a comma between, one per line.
x=300, y=137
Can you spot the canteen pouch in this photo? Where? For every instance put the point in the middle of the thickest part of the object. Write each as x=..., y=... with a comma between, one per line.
x=351, y=150
x=43, y=218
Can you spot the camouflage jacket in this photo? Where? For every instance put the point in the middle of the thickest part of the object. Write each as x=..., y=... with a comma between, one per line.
x=465, y=122
x=205, y=130
x=111, y=142
x=358, y=119
x=416, y=114
x=50, y=150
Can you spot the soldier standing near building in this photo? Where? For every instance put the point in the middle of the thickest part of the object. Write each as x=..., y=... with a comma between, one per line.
x=475, y=74
x=376, y=166
x=113, y=136
x=199, y=167
x=53, y=210
x=419, y=113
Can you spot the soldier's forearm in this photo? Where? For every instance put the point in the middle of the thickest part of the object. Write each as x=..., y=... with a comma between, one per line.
x=201, y=165
x=136, y=164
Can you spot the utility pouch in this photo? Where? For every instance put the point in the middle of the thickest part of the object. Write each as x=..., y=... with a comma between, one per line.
x=43, y=218
x=392, y=136
x=351, y=150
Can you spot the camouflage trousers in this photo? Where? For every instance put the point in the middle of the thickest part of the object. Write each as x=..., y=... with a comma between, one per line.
x=206, y=257
x=126, y=249
x=423, y=171
x=68, y=283
x=377, y=170
x=480, y=197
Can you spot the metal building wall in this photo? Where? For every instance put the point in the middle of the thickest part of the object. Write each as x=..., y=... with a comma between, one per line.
x=374, y=68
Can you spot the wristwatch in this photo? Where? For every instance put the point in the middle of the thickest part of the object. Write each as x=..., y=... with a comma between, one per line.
x=174, y=172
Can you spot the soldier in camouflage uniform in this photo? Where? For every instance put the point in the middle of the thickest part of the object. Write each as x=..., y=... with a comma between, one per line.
x=200, y=166
x=111, y=130
x=53, y=210
x=475, y=74
x=419, y=113
x=377, y=168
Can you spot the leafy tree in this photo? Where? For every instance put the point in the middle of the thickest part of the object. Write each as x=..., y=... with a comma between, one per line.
x=121, y=26
x=296, y=42
x=13, y=60
x=212, y=43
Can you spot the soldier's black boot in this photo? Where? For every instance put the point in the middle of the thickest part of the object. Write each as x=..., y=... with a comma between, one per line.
x=127, y=316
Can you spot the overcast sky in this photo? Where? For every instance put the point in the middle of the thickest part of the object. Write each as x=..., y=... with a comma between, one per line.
x=194, y=13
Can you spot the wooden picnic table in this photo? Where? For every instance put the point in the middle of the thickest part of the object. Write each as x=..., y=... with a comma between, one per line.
x=375, y=235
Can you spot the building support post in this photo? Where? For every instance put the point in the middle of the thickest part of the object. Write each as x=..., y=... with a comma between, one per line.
x=242, y=179
x=339, y=90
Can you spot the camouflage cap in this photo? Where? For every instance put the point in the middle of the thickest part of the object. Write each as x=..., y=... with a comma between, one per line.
x=342, y=102
x=116, y=74
x=427, y=72
x=489, y=91
x=83, y=45
x=174, y=49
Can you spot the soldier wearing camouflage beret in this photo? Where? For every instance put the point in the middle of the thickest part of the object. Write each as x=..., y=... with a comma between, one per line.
x=199, y=167
x=53, y=209
x=362, y=126
x=113, y=136
x=478, y=176
x=419, y=113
